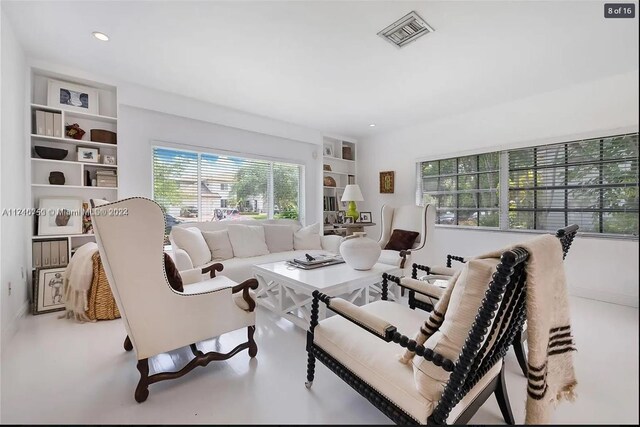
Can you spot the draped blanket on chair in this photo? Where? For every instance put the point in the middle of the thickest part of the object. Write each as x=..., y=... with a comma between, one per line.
x=551, y=376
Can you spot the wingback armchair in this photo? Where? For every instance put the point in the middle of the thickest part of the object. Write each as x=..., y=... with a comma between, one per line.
x=158, y=319
x=420, y=219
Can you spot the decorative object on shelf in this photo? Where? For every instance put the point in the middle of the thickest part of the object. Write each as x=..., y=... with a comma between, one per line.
x=351, y=179
x=326, y=168
x=327, y=149
x=360, y=252
x=387, y=182
x=50, y=153
x=109, y=160
x=87, y=178
x=328, y=181
x=89, y=155
x=103, y=135
x=365, y=217
x=48, y=290
x=340, y=217
x=56, y=178
x=331, y=218
x=59, y=215
x=348, y=220
x=106, y=178
x=72, y=97
x=87, y=227
x=352, y=194
x=74, y=131
x=347, y=153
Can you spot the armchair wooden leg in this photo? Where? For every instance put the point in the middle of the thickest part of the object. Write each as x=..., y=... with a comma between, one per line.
x=503, y=399
x=127, y=344
x=311, y=369
x=142, y=390
x=253, y=347
x=518, y=348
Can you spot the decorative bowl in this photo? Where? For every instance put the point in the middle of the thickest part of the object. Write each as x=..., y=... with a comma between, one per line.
x=50, y=153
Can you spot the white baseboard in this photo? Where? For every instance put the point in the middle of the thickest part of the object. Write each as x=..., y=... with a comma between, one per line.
x=10, y=329
x=611, y=297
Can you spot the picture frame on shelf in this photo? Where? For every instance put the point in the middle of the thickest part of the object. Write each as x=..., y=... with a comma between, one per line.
x=48, y=290
x=59, y=215
x=72, y=97
x=109, y=159
x=331, y=218
x=348, y=220
x=326, y=167
x=365, y=217
x=327, y=149
x=347, y=153
x=387, y=182
x=88, y=155
x=340, y=217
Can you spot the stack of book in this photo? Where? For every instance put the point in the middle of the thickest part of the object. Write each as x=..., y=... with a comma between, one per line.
x=315, y=262
x=48, y=124
x=106, y=178
x=330, y=203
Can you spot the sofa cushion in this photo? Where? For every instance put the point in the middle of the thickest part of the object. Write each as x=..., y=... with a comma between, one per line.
x=247, y=240
x=279, y=238
x=376, y=361
x=219, y=244
x=307, y=238
x=401, y=240
x=191, y=240
x=466, y=297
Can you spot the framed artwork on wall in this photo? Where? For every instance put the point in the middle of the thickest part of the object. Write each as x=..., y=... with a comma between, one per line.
x=387, y=182
x=69, y=96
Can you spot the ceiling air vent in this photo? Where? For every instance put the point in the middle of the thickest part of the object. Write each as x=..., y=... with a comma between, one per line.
x=406, y=29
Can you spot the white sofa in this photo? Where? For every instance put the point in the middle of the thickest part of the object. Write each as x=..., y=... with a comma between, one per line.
x=240, y=268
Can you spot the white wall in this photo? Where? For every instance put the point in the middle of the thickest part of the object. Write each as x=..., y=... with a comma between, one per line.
x=605, y=269
x=139, y=128
x=13, y=190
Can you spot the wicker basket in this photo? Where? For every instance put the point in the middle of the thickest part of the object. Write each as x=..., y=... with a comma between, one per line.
x=102, y=305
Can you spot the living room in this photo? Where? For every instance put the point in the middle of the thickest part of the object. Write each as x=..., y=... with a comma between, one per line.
x=294, y=160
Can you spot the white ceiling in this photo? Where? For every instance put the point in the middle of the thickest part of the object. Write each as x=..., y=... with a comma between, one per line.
x=320, y=63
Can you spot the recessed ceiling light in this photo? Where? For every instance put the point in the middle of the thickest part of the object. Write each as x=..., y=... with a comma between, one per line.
x=101, y=36
x=372, y=125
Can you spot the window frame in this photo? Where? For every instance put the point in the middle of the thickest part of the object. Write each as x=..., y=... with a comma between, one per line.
x=504, y=187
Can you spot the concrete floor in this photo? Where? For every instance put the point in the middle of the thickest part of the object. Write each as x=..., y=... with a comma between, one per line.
x=56, y=371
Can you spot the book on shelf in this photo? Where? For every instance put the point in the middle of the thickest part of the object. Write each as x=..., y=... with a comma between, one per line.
x=48, y=123
x=40, y=122
x=57, y=125
x=330, y=203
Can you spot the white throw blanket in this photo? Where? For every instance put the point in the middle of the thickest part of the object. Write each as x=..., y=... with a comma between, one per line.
x=77, y=282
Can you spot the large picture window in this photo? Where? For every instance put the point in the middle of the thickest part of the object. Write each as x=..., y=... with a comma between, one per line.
x=592, y=183
x=193, y=186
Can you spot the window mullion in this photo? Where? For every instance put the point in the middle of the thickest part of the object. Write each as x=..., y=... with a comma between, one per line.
x=199, y=187
x=503, y=203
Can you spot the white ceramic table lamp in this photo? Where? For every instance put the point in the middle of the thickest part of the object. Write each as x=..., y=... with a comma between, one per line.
x=352, y=194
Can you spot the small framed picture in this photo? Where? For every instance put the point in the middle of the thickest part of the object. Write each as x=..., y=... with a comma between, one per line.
x=48, y=290
x=331, y=218
x=327, y=149
x=365, y=217
x=108, y=160
x=326, y=167
x=59, y=215
x=348, y=220
x=69, y=96
x=89, y=155
x=387, y=182
x=340, y=217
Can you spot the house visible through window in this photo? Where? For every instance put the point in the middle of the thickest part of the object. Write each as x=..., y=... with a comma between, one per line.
x=191, y=186
x=592, y=183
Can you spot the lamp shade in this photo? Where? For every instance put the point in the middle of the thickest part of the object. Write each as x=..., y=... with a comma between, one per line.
x=352, y=193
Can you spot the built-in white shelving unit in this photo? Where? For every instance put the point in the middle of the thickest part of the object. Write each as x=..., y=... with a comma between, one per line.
x=77, y=183
x=339, y=155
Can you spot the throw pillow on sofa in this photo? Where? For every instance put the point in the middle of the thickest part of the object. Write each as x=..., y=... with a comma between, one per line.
x=247, y=240
x=219, y=244
x=307, y=238
x=191, y=240
x=279, y=238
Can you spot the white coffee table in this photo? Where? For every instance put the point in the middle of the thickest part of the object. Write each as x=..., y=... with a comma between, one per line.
x=286, y=290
